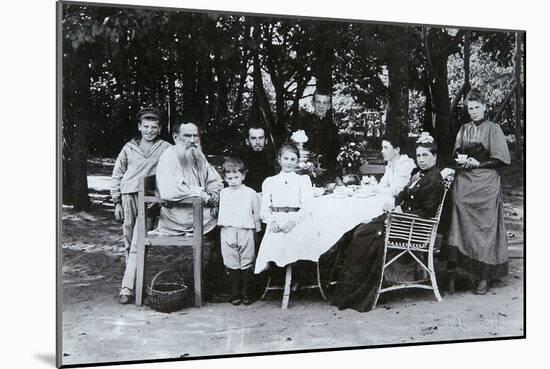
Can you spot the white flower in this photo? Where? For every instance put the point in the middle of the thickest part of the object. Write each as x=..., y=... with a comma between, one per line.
x=425, y=138
x=299, y=136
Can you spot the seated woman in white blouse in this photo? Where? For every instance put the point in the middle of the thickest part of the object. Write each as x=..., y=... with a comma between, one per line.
x=398, y=170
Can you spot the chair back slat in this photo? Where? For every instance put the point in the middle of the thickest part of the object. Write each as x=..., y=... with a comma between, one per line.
x=404, y=227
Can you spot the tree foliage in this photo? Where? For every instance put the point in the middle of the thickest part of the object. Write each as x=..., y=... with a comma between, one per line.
x=224, y=71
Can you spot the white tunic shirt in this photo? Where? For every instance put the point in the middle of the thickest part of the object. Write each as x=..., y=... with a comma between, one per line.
x=239, y=208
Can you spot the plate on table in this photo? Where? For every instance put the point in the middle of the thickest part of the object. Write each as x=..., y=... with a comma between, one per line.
x=362, y=195
x=338, y=195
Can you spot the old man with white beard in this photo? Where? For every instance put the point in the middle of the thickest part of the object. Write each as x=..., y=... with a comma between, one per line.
x=182, y=172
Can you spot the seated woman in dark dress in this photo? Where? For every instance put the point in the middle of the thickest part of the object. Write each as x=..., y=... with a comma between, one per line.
x=361, y=250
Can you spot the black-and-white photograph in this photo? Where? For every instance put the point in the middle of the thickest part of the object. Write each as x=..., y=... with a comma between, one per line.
x=240, y=184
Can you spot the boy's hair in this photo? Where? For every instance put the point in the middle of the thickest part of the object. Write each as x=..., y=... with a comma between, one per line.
x=233, y=165
x=322, y=91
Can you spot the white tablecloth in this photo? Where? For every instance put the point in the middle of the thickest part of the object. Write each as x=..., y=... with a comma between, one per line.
x=330, y=218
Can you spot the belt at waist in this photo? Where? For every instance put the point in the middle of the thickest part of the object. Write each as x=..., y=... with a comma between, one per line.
x=284, y=209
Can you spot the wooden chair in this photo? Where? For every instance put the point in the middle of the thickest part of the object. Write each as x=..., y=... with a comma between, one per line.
x=408, y=234
x=146, y=195
x=288, y=283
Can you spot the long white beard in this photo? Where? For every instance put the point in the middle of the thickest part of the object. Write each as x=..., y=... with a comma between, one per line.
x=194, y=164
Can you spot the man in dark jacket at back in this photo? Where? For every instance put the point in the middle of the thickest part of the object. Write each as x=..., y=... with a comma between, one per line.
x=321, y=131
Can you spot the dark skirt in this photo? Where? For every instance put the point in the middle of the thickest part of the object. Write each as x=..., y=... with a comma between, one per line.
x=360, y=255
x=474, y=268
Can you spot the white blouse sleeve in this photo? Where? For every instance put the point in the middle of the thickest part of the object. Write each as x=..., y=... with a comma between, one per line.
x=400, y=180
x=265, y=209
x=306, y=198
x=384, y=181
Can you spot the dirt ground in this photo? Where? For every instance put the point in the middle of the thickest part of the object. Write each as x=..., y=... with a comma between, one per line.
x=96, y=328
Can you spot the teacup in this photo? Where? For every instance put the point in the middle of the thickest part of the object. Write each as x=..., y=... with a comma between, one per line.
x=331, y=186
x=318, y=191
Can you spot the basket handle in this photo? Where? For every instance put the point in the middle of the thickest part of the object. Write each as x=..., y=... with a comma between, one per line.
x=165, y=271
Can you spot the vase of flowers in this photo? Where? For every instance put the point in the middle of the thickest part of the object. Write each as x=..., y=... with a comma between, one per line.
x=350, y=157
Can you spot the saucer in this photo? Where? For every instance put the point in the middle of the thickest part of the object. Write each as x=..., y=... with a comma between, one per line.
x=363, y=195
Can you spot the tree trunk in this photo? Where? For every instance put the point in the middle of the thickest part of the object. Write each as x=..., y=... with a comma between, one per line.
x=439, y=45
x=78, y=77
x=398, y=94
x=171, y=102
x=259, y=90
x=427, y=122
x=79, y=166
x=324, y=56
x=440, y=88
x=240, y=90
x=467, y=44
x=222, y=108
x=519, y=97
x=189, y=77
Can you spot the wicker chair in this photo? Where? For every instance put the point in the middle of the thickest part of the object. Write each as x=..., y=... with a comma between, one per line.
x=408, y=234
x=146, y=195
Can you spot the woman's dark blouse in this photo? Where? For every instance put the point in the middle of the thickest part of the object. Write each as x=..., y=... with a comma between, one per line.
x=424, y=197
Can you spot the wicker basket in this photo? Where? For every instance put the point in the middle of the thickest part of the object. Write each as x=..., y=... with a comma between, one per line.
x=167, y=296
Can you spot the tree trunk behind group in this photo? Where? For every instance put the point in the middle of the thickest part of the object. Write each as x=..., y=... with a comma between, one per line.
x=324, y=55
x=427, y=122
x=397, y=121
x=259, y=90
x=438, y=46
x=519, y=97
x=460, y=116
x=440, y=88
x=77, y=83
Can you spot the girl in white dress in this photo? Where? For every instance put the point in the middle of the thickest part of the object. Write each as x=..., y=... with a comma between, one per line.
x=285, y=208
